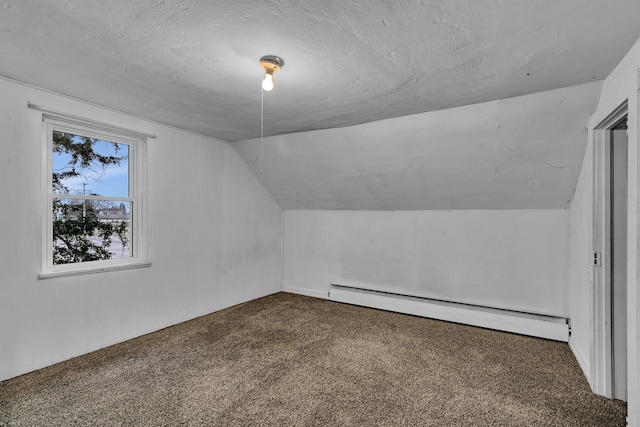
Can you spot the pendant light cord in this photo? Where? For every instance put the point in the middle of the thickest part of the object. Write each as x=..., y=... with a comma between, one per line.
x=262, y=136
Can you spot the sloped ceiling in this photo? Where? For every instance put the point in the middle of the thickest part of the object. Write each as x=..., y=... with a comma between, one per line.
x=194, y=64
x=517, y=153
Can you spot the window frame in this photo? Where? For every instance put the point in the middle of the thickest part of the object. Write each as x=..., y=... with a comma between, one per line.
x=137, y=189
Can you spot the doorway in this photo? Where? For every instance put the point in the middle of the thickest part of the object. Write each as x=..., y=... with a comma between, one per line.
x=610, y=256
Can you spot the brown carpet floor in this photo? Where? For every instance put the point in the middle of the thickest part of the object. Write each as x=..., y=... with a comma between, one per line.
x=290, y=360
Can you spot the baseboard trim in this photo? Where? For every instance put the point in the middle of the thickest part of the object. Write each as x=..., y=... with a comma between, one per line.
x=581, y=359
x=537, y=325
x=306, y=292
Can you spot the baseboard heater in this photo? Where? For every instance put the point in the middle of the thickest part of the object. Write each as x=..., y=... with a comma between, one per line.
x=537, y=325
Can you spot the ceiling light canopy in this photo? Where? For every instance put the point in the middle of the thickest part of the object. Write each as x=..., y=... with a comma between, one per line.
x=271, y=64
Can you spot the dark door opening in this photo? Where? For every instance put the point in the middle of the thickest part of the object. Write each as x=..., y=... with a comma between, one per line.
x=618, y=255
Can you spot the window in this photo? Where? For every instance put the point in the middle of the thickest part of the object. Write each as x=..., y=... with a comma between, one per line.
x=94, y=186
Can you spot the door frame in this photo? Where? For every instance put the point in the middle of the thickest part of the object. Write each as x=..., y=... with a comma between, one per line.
x=602, y=350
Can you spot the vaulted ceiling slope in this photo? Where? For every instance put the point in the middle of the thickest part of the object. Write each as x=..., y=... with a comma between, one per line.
x=194, y=64
x=518, y=153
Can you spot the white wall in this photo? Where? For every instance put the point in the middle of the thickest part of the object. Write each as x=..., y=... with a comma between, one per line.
x=622, y=84
x=215, y=240
x=515, y=259
x=252, y=234
x=581, y=264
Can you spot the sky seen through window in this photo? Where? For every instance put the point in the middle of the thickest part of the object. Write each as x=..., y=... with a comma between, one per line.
x=109, y=180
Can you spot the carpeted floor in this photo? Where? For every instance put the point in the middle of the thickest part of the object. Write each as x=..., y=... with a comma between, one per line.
x=290, y=360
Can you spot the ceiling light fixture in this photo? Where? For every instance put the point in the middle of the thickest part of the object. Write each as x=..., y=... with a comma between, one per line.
x=271, y=64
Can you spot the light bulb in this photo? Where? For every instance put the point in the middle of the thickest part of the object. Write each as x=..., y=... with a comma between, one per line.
x=267, y=83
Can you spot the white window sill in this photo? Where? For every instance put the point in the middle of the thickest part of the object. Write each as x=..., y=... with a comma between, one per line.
x=92, y=270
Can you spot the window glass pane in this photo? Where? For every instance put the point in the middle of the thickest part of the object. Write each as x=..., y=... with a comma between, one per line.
x=83, y=165
x=90, y=230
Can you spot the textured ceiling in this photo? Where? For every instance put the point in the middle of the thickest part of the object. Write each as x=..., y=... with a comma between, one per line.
x=194, y=64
